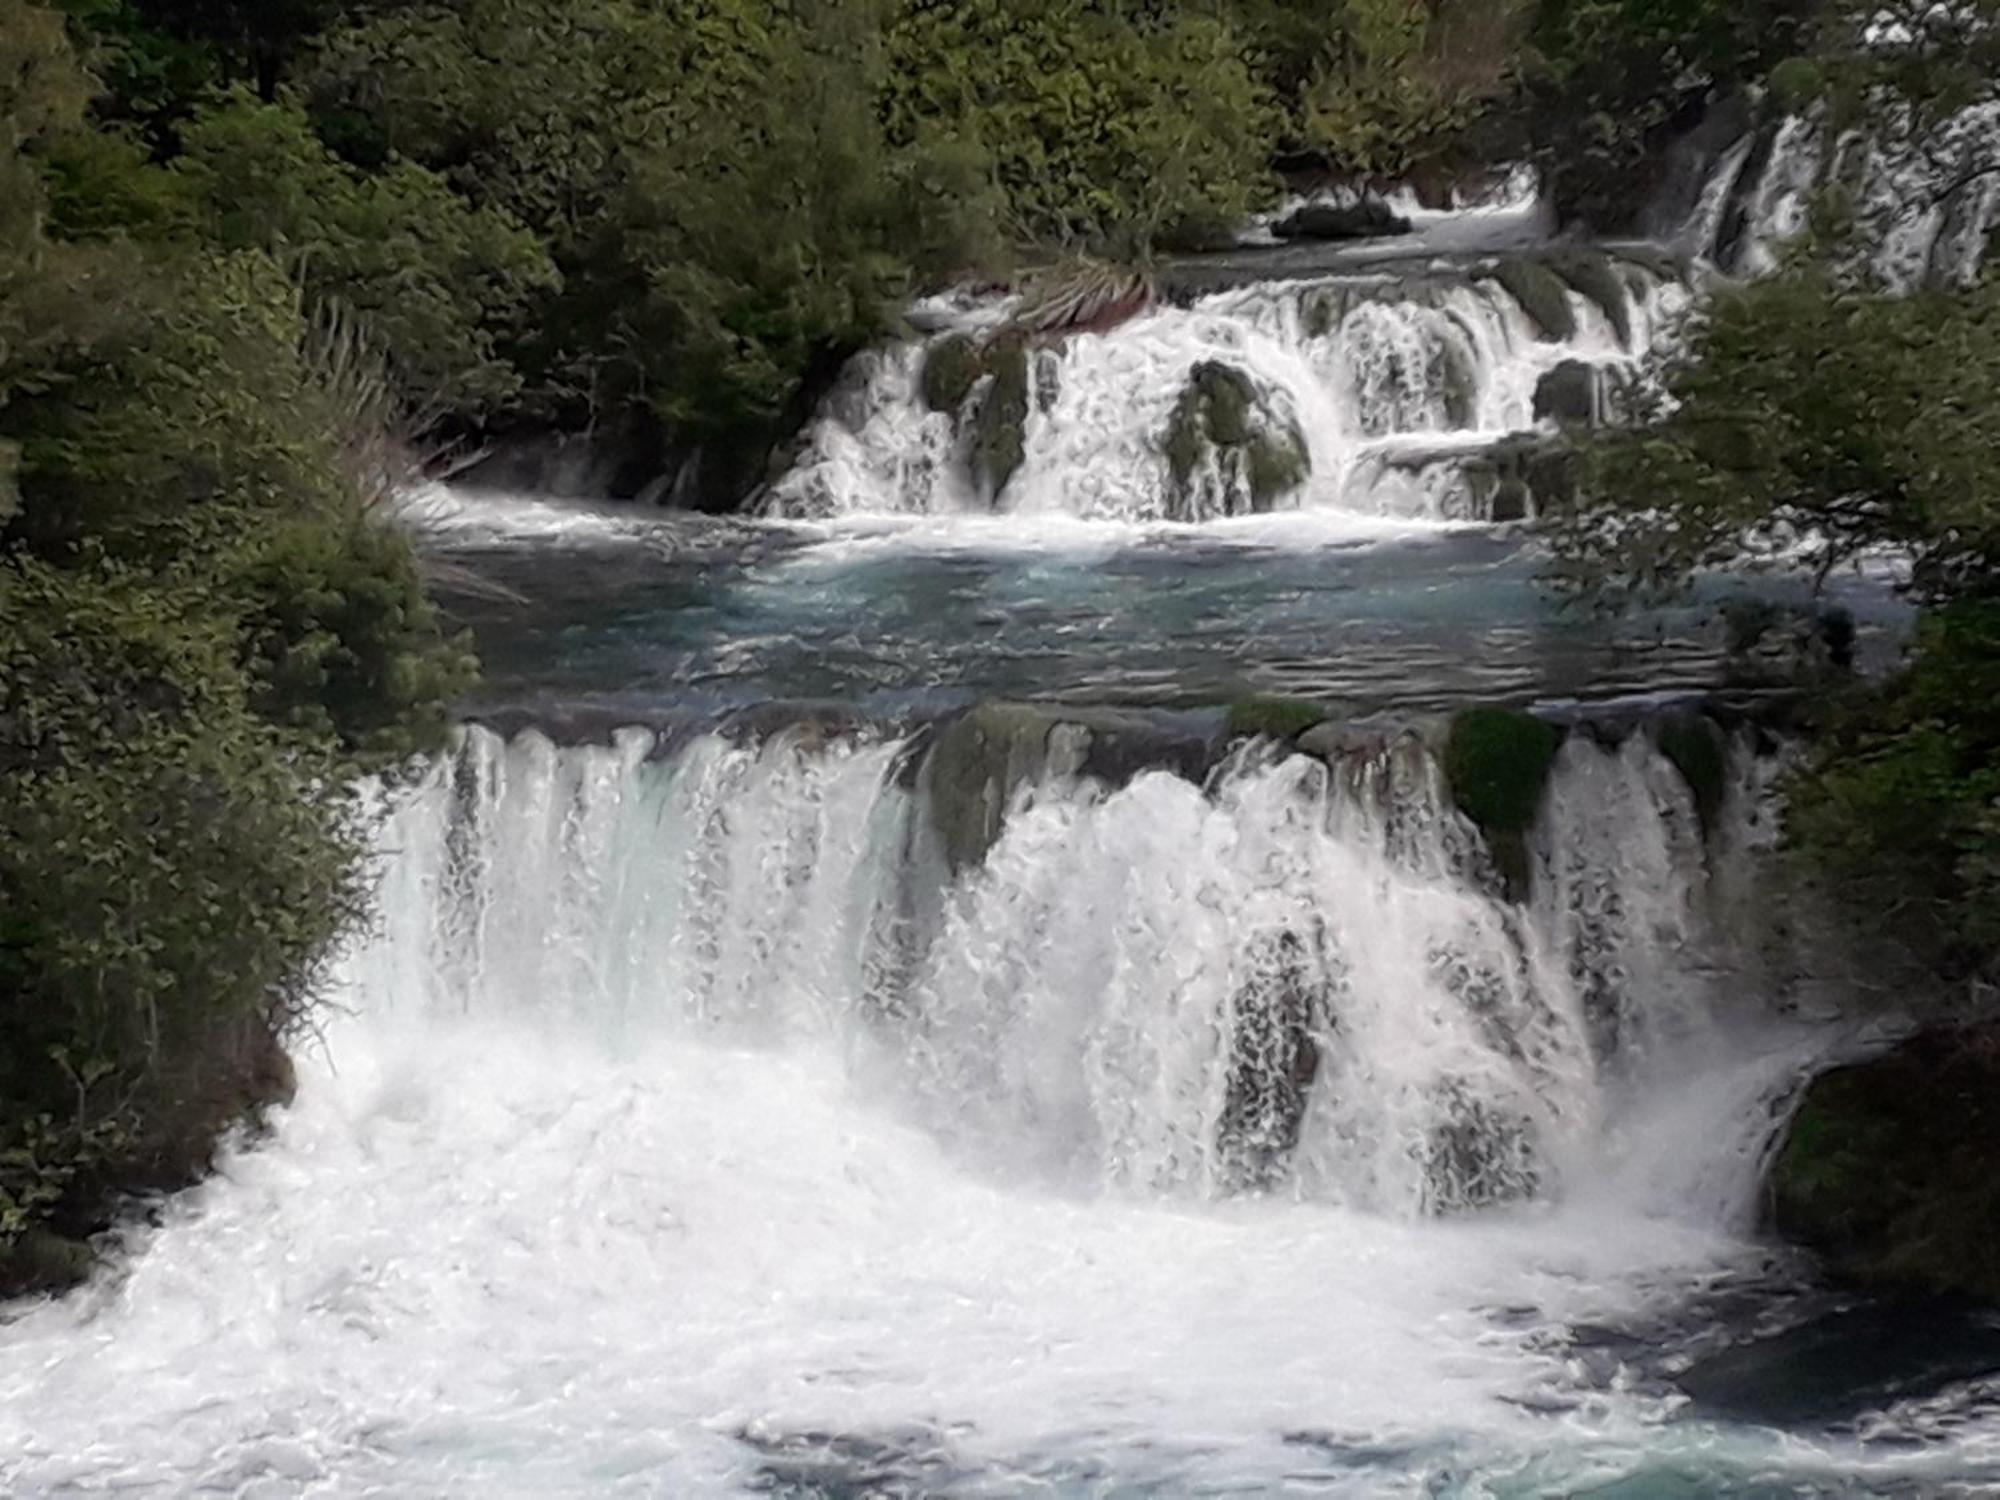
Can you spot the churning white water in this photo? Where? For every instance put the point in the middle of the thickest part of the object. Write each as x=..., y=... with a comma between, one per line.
x=690, y=1130
x=1381, y=377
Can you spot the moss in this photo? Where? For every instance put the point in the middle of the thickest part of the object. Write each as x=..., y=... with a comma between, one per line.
x=1797, y=84
x=1276, y=463
x=1218, y=414
x=1497, y=763
x=42, y=1262
x=1273, y=718
x=1591, y=273
x=1886, y=1169
x=1226, y=398
x=951, y=369
x=1695, y=745
x=1000, y=435
x=1542, y=296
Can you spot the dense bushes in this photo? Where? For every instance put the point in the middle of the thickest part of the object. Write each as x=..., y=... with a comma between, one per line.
x=205, y=632
x=1817, y=418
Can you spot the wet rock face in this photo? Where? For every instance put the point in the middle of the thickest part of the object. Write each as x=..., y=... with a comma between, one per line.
x=980, y=760
x=1888, y=1169
x=1227, y=453
x=1274, y=1057
x=1567, y=395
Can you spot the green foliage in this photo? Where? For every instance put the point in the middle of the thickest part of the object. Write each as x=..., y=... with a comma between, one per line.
x=1807, y=410
x=1273, y=718
x=1887, y=1167
x=172, y=867
x=1899, y=810
x=1403, y=81
x=1610, y=81
x=1108, y=127
x=439, y=283
x=1812, y=416
x=206, y=631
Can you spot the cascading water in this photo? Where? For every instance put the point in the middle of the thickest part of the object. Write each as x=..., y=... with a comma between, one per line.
x=1375, y=378
x=690, y=1128
x=1926, y=199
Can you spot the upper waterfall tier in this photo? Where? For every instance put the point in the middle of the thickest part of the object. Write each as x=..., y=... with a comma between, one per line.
x=1925, y=199
x=1377, y=390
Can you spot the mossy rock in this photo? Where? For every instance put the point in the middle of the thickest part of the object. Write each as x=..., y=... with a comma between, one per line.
x=1276, y=464
x=1496, y=763
x=1000, y=432
x=1273, y=718
x=43, y=1263
x=1542, y=295
x=952, y=368
x=1695, y=744
x=1796, y=84
x=1218, y=414
x=1567, y=394
x=1591, y=273
x=1226, y=397
x=1887, y=1168
x=1320, y=316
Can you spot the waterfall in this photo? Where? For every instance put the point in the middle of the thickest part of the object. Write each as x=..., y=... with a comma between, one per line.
x=1926, y=199
x=1362, y=378
x=1299, y=976
x=970, y=1113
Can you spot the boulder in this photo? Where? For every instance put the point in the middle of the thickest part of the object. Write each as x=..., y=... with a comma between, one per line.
x=1497, y=763
x=980, y=760
x=1226, y=453
x=1000, y=430
x=1365, y=219
x=1887, y=1169
x=952, y=366
x=1542, y=295
x=1280, y=1003
x=1568, y=395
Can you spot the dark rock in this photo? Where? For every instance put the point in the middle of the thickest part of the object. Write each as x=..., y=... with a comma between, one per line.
x=1273, y=718
x=1887, y=1169
x=1496, y=763
x=952, y=366
x=1219, y=416
x=1845, y=1363
x=41, y=1263
x=1543, y=296
x=1274, y=1056
x=1369, y=218
x=1591, y=273
x=1694, y=743
x=1689, y=162
x=980, y=760
x=1000, y=431
x=1568, y=395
